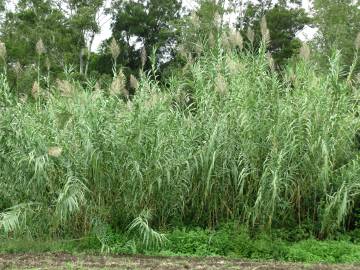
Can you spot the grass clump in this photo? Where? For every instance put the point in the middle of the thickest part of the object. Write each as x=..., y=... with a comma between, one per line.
x=229, y=140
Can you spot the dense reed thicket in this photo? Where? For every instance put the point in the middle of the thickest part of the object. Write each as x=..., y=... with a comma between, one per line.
x=227, y=140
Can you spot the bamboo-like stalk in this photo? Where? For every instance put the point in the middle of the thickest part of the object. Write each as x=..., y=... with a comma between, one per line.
x=229, y=142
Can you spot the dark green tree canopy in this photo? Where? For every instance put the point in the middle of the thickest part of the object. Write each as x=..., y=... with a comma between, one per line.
x=33, y=20
x=145, y=23
x=283, y=21
x=68, y=28
x=338, y=22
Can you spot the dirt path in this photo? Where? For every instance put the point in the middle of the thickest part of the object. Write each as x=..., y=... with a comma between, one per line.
x=67, y=261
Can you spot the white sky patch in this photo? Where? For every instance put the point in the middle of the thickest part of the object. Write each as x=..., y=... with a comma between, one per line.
x=105, y=26
x=307, y=34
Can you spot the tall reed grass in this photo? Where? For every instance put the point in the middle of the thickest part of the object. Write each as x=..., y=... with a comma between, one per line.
x=231, y=140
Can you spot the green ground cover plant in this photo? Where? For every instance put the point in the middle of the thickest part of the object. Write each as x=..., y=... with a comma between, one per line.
x=229, y=241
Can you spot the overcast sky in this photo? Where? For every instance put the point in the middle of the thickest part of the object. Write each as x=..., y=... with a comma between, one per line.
x=105, y=33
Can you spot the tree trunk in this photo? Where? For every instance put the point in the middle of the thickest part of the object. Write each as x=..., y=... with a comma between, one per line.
x=81, y=61
x=89, y=53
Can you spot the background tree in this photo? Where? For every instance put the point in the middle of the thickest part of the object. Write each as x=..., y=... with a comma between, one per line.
x=338, y=22
x=31, y=21
x=197, y=30
x=85, y=17
x=203, y=25
x=144, y=25
x=2, y=9
x=284, y=20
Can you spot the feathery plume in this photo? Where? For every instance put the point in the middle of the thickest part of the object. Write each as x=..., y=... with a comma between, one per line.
x=234, y=66
x=189, y=62
x=143, y=57
x=250, y=35
x=47, y=63
x=217, y=19
x=3, y=51
x=211, y=39
x=97, y=93
x=182, y=51
x=225, y=41
x=35, y=91
x=114, y=49
x=97, y=87
x=134, y=84
x=358, y=78
x=154, y=99
x=40, y=47
x=264, y=30
x=292, y=77
x=118, y=85
x=271, y=61
x=55, y=151
x=194, y=19
x=357, y=41
x=23, y=98
x=65, y=87
x=17, y=68
x=220, y=84
x=198, y=48
x=236, y=40
x=305, y=52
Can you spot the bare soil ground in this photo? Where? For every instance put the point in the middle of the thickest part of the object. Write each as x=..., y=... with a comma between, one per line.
x=68, y=261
